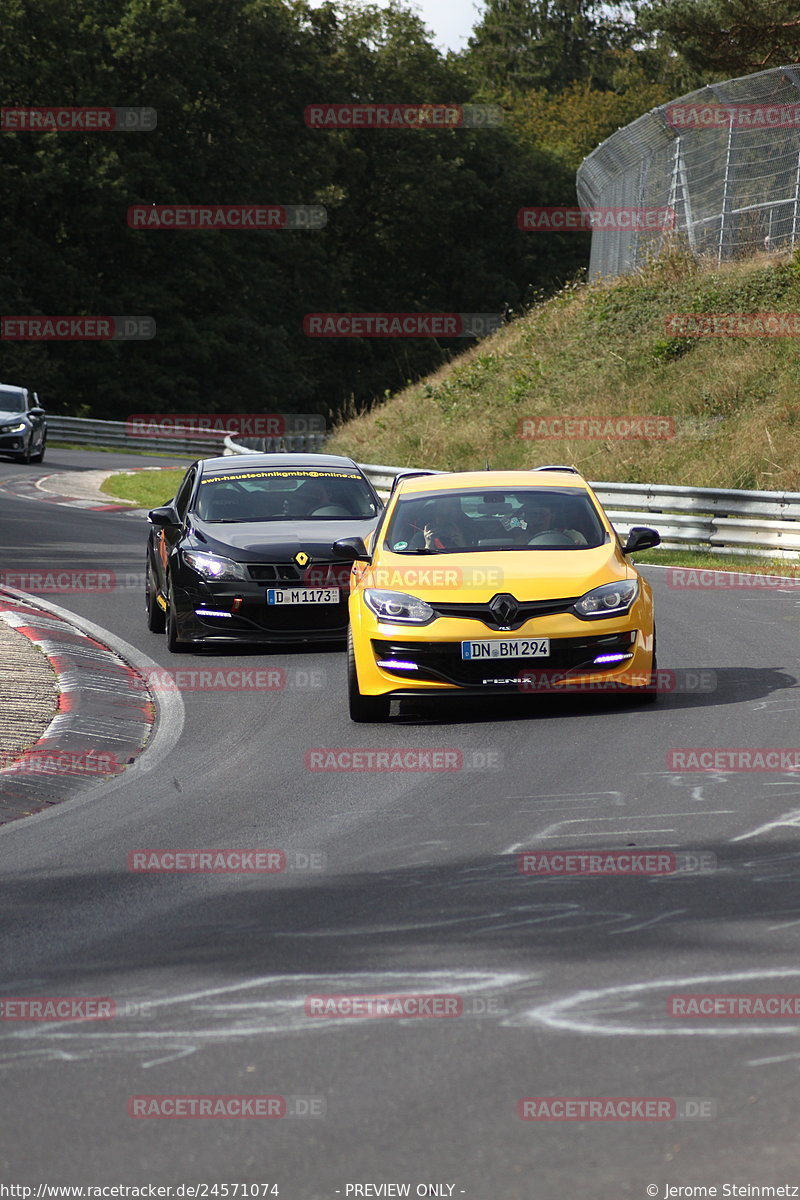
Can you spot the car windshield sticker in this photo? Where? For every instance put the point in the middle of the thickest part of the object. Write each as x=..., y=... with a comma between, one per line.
x=281, y=475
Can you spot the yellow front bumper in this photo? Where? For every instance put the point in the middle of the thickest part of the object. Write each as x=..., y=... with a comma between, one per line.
x=378, y=681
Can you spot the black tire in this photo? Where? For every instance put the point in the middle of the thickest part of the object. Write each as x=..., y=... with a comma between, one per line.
x=156, y=618
x=365, y=710
x=37, y=458
x=174, y=644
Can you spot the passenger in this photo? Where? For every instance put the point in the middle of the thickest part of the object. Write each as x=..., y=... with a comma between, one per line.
x=444, y=529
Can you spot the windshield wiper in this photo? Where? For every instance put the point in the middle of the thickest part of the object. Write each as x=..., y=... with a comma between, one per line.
x=243, y=520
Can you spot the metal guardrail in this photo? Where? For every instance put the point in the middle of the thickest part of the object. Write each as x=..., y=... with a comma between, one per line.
x=758, y=524
x=116, y=434
x=727, y=521
x=382, y=478
x=293, y=443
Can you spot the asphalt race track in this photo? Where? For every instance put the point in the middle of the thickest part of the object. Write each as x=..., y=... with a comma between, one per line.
x=407, y=882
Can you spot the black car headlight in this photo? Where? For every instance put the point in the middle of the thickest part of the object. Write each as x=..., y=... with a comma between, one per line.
x=608, y=600
x=213, y=566
x=398, y=608
x=20, y=427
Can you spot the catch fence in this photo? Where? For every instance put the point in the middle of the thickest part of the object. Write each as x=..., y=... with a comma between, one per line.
x=725, y=162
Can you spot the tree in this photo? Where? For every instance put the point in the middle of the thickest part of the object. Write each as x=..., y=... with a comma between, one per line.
x=723, y=38
x=574, y=122
x=419, y=220
x=523, y=44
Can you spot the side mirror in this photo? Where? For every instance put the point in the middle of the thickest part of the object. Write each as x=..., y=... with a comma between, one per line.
x=165, y=516
x=641, y=537
x=37, y=411
x=352, y=549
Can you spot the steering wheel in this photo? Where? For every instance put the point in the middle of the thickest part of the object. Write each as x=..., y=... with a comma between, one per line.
x=331, y=510
x=552, y=537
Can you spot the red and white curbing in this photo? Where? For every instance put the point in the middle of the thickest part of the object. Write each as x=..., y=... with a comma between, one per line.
x=104, y=719
x=28, y=489
x=75, y=489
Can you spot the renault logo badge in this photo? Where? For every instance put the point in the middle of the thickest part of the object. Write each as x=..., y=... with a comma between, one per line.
x=301, y=558
x=505, y=610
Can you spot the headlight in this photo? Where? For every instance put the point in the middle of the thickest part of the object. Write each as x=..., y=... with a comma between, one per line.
x=609, y=600
x=13, y=428
x=398, y=607
x=211, y=566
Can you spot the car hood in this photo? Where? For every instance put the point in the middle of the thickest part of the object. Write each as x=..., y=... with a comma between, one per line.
x=476, y=577
x=9, y=418
x=276, y=541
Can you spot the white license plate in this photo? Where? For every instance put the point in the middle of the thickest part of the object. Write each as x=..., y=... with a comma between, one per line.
x=513, y=648
x=303, y=595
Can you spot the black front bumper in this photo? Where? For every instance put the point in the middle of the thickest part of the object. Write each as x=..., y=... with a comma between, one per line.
x=255, y=621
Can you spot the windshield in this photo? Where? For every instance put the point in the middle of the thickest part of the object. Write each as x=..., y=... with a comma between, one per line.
x=287, y=494
x=496, y=519
x=12, y=400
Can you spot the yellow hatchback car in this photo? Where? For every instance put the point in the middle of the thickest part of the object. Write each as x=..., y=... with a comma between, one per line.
x=496, y=581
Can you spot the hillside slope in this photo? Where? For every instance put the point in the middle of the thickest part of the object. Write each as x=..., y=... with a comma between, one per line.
x=603, y=351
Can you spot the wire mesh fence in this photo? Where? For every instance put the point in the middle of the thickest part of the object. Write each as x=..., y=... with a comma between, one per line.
x=725, y=160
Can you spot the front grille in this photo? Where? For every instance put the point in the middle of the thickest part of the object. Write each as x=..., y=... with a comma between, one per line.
x=442, y=661
x=275, y=572
x=314, y=574
x=526, y=611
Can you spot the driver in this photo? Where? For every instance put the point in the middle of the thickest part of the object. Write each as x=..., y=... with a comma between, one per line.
x=315, y=494
x=541, y=518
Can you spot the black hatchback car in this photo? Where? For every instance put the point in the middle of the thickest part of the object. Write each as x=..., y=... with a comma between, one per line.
x=23, y=428
x=243, y=553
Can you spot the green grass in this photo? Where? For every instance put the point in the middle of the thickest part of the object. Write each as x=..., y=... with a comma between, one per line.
x=718, y=562
x=603, y=350
x=148, y=489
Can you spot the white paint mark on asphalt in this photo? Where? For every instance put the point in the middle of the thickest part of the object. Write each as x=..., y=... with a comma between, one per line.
x=593, y=1011
x=605, y=833
x=773, y=700
x=556, y=829
x=612, y=797
x=179, y=1052
x=767, y=1062
x=282, y=1011
x=790, y=820
x=676, y=912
